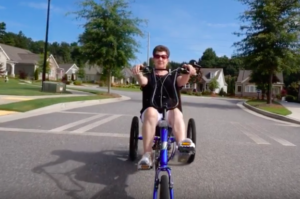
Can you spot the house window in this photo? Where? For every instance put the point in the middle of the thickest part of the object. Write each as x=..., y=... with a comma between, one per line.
x=250, y=89
x=239, y=88
x=208, y=75
x=187, y=86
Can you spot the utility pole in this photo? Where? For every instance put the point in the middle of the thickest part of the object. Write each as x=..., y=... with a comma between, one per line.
x=46, y=47
x=148, y=61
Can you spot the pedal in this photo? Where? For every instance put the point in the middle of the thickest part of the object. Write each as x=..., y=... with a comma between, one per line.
x=144, y=167
x=186, y=144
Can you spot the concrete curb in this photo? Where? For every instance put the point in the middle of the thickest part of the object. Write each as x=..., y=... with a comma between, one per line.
x=271, y=115
x=60, y=107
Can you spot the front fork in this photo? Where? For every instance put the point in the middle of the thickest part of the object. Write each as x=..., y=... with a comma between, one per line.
x=163, y=160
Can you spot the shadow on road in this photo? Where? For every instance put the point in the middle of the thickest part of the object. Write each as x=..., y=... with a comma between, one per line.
x=108, y=168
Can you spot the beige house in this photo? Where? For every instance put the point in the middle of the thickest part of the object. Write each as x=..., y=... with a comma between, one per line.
x=17, y=61
x=55, y=71
x=244, y=88
x=68, y=69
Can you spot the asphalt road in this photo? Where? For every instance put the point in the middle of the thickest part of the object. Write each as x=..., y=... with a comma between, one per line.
x=82, y=153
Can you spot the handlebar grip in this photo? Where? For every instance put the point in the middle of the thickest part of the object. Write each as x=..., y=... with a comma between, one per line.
x=194, y=64
x=184, y=70
x=144, y=69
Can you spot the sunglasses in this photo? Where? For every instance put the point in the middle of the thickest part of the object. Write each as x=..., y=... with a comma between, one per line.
x=161, y=56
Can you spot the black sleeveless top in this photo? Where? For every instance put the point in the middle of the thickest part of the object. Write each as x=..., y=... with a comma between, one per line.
x=168, y=91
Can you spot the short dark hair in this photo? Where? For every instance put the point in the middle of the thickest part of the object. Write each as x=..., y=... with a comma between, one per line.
x=161, y=48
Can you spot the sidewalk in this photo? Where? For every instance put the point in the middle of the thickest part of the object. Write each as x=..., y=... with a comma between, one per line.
x=6, y=99
x=294, y=108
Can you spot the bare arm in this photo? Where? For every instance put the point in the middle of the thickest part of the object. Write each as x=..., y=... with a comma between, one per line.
x=142, y=79
x=183, y=79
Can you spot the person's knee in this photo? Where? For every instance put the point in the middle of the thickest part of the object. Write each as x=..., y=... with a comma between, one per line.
x=150, y=114
x=176, y=114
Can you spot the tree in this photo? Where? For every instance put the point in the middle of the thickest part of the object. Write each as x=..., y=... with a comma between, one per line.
x=81, y=73
x=271, y=42
x=213, y=84
x=208, y=59
x=230, y=84
x=2, y=31
x=262, y=82
x=109, y=34
x=39, y=69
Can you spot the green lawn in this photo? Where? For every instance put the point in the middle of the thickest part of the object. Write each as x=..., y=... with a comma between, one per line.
x=273, y=108
x=13, y=87
x=24, y=106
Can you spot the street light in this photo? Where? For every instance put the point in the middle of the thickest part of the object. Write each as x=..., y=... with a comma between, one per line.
x=46, y=47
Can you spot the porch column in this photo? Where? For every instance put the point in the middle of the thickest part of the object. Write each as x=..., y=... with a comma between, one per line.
x=12, y=73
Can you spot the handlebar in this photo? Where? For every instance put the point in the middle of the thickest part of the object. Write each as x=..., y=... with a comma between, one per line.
x=181, y=68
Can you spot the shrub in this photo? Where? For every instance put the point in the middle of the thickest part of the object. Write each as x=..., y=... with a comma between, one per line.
x=206, y=93
x=78, y=83
x=222, y=92
x=22, y=75
x=290, y=98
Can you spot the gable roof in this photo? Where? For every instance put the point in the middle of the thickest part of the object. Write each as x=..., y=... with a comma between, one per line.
x=20, y=55
x=206, y=71
x=66, y=67
x=127, y=72
x=55, y=62
x=245, y=75
x=92, y=69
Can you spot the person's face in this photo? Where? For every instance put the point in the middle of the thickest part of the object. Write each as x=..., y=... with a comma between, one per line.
x=161, y=59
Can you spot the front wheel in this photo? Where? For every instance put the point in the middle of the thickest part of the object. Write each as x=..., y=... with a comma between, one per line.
x=133, y=142
x=191, y=133
x=164, y=192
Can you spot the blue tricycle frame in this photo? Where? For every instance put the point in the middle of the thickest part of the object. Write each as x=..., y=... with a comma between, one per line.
x=162, y=145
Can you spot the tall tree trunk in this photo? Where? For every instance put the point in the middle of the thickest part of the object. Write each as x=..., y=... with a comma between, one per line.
x=109, y=81
x=269, y=98
x=263, y=93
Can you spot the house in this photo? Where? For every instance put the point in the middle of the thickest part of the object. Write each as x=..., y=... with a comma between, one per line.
x=18, y=61
x=244, y=88
x=207, y=75
x=92, y=73
x=68, y=69
x=55, y=70
x=127, y=77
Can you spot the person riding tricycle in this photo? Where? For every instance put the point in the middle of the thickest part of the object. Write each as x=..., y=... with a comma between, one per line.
x=158, y=87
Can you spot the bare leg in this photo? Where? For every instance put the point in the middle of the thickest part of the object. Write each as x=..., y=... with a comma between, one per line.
x=148, y=128
x=176, y=120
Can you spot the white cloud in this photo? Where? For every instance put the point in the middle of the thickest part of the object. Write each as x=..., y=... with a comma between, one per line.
x=2, y=7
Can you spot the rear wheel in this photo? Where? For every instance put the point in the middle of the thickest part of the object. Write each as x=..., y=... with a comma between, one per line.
x=164, y=192
x=191, y=133
x=133, y=140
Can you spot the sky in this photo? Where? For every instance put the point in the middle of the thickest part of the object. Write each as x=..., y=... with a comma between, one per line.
x=186, y=27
